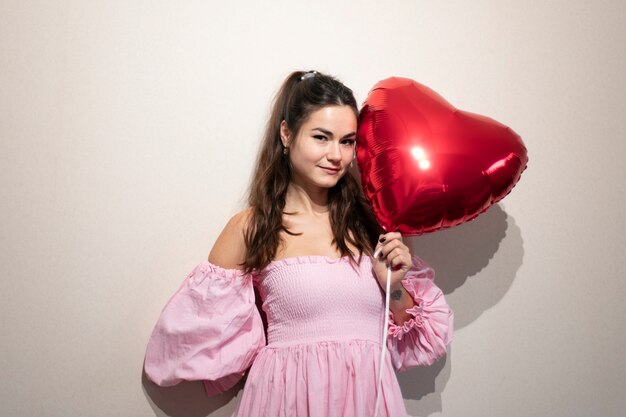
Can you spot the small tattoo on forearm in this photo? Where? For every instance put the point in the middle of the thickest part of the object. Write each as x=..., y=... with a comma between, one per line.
x=396, y=295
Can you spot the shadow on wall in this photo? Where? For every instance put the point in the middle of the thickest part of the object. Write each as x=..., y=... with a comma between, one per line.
x=189, y=399
x=475, y=264
x=419, y=384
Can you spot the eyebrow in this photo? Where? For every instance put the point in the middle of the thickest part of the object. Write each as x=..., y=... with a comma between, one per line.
x=329, y=133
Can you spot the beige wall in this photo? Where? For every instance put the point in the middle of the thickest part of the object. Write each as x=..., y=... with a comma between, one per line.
x=128, y=130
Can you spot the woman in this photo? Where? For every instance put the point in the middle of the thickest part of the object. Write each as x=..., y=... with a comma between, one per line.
x=306, y=243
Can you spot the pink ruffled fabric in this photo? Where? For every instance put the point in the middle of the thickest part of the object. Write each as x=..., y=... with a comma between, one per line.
x=422, y=339
x=324, y=318
x=210, y=330
x=321, y=379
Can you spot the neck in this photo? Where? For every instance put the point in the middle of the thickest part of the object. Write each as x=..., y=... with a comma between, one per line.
x=309, y=201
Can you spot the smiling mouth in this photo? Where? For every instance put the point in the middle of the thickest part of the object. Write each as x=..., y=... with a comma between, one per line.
x=329, y=170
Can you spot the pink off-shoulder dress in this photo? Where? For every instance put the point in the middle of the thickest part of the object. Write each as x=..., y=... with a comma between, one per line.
x=324, y=331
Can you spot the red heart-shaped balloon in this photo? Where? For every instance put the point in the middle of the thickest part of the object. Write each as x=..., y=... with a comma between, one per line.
x=426, y=165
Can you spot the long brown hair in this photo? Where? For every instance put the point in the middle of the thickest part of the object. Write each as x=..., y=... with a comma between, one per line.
x=351, y=219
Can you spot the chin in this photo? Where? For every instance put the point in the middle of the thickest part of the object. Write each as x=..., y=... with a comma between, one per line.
x=329, y=183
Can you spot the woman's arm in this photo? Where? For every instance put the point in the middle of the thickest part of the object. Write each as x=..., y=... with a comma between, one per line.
x=393, y=252
x=424, y=337
x=399, y=301
x=229, y=250
x=210, y=329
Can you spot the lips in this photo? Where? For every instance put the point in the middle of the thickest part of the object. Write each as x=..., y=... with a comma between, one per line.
x=330, y=171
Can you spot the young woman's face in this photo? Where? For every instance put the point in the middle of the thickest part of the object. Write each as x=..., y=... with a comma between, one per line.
x=323, y=148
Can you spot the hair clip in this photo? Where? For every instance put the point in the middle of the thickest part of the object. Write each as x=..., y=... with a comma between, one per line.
x=308, y=75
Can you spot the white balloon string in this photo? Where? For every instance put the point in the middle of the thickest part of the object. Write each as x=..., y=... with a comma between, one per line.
x=384, y=344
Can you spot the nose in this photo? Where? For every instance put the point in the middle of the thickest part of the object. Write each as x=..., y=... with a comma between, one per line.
x=334, y=153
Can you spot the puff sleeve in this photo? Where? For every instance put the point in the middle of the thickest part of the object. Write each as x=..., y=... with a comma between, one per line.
x=423, y=338
x=209, y=330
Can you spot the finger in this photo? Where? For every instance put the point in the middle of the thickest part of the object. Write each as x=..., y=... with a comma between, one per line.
x=389, y=257
x=397, y=257
x=390, y=246
x=382, y=238
x=387, y=242
x=378, y=250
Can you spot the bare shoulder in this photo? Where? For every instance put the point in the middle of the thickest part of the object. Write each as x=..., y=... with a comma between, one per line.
x=229, y=249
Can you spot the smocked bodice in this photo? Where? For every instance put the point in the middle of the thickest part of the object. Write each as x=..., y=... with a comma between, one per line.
x=316, y=298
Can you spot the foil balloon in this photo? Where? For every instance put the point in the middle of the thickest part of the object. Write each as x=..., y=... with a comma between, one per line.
x=426, y=165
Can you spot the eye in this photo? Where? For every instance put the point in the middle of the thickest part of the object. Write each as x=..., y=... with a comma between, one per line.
x=319, y=137
x=349, y=142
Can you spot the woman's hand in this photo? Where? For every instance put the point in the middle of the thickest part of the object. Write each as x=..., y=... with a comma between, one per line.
x=392, y=251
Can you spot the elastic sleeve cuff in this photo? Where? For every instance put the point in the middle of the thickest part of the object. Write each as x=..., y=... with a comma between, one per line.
x=423, y=338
